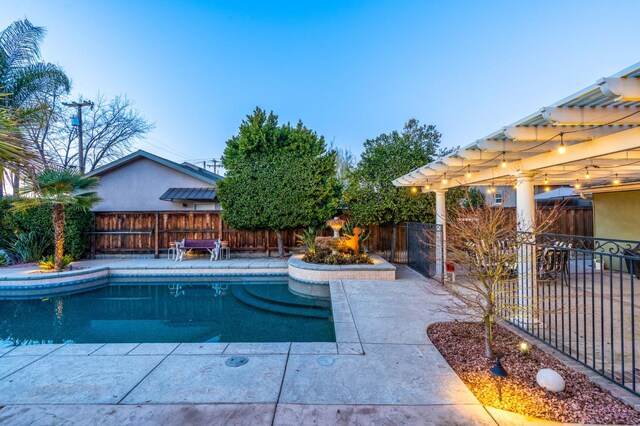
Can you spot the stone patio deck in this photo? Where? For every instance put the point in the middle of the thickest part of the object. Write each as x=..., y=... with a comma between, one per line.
x=400, y=379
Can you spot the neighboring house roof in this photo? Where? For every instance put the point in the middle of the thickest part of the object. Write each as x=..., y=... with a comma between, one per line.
x=190, y=194
x=186, y=168
x=562, y=192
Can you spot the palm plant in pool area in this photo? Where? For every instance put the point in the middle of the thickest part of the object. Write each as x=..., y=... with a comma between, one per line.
x=59, y=189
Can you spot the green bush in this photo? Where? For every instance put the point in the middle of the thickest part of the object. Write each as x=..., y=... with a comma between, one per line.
x=29, y=246
x=49, y=263
x=38, y=220
x=326, y=256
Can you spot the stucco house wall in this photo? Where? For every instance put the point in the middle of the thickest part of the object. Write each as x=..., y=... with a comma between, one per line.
x=138, y=185
x=617, y=215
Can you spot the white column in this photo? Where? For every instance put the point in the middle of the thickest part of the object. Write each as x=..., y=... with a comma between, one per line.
x=441, y=238
x=526, y=216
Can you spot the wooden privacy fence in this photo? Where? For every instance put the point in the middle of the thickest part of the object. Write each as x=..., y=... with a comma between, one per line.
x=151, y=232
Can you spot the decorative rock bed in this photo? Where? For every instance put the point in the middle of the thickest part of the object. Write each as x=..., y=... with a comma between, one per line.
x=380, y=269
x=582, y=401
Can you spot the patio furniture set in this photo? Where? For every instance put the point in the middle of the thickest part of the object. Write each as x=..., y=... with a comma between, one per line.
x=179, y=250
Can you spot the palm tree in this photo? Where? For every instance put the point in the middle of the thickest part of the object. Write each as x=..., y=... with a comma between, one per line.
x=59, y=189
x=23, y=76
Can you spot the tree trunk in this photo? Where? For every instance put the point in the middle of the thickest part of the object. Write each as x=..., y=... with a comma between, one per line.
x=488, y=339
x=280, y=246
x=394, y=232
x=58, y=234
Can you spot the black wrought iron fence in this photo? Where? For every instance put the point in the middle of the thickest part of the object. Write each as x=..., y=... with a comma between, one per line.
x=584, y=301
x=425, y=250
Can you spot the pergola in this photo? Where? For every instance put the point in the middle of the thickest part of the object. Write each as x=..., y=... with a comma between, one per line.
x=589, y=140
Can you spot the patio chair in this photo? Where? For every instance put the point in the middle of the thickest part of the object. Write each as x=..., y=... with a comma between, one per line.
x=554, y=260
x=632, y=259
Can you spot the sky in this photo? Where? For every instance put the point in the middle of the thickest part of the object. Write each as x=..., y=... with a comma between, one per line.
x=350, y=70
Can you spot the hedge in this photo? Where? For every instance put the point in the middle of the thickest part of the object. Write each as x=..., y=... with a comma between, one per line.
x=78, y=224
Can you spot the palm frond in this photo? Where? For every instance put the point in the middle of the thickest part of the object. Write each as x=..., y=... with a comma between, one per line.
x=37, y=78
x=19, y=46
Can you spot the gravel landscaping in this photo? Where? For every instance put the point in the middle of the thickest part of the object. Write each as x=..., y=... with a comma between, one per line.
x=582, y=401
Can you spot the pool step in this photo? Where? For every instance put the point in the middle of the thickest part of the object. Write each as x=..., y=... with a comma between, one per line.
x=281, y=295
x=240, y=293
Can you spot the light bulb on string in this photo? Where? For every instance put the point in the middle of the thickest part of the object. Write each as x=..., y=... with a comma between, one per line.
x=577, y=184
x=546, y=181
x=504, y=161
x=562, y=149
x=468, y=172
x=444, y=179
x=587, y=175
x=616, y=181
x=427, y=186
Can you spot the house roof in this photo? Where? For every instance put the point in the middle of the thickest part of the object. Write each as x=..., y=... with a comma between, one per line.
x=190, y=194
x=562, y=192
x=588, y=139
x=186, y=168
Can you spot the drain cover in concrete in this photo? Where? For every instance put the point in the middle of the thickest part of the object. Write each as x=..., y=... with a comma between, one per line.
x=236, y=361
x=326, y=361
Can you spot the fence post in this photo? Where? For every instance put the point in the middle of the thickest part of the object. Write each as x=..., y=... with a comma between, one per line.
x=156, y=237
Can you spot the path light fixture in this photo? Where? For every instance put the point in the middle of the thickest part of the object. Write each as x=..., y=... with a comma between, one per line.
x=524, y=347
x=499, y=371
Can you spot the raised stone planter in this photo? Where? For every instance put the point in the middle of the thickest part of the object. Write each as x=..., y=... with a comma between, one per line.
x=316, y=273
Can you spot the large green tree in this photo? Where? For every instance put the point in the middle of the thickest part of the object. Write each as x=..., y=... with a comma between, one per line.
x=372, y=198
x=277, y=177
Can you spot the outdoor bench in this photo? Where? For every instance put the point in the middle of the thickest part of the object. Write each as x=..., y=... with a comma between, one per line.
x=211, y=246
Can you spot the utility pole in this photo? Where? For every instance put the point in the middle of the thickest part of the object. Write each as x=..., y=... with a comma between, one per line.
x=79, y=106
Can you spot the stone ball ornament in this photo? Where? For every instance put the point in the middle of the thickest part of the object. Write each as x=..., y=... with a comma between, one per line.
x=550, y=380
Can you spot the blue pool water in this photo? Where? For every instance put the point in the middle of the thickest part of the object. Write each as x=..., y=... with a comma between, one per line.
x=179, y=311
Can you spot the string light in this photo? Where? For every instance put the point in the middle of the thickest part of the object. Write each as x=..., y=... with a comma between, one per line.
x=468, y=172
x=546, y=181
x=616, y=181
x=444, y=179
x=504, y=162
x=562, y=149
x=577, y=184
x=427, y=186
x=414, y=189
x=587, y=176
x=547, y=189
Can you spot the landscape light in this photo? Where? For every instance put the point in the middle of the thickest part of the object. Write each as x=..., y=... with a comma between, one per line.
x=499, y=371
x=524, y=347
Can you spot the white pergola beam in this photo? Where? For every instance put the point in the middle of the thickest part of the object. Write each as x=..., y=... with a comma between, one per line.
x=591, y=116
x=620, y=89
x=607, y=145
x=571, y=133
x=490, y=145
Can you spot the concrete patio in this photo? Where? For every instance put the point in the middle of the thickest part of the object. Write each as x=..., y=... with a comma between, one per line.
x=400, y=379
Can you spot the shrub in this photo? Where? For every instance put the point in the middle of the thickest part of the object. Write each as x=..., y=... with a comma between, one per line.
x=30, y=246
x=308, y=239
x=326, y=256
x=49, y=263
x=38, y=219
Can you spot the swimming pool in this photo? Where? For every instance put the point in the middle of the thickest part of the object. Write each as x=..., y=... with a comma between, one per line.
x=172, y=310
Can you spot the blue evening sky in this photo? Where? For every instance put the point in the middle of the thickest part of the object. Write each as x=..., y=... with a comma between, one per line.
x=349, y=69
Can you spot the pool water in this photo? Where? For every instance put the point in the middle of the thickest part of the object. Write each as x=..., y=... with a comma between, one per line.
x=211, y=311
